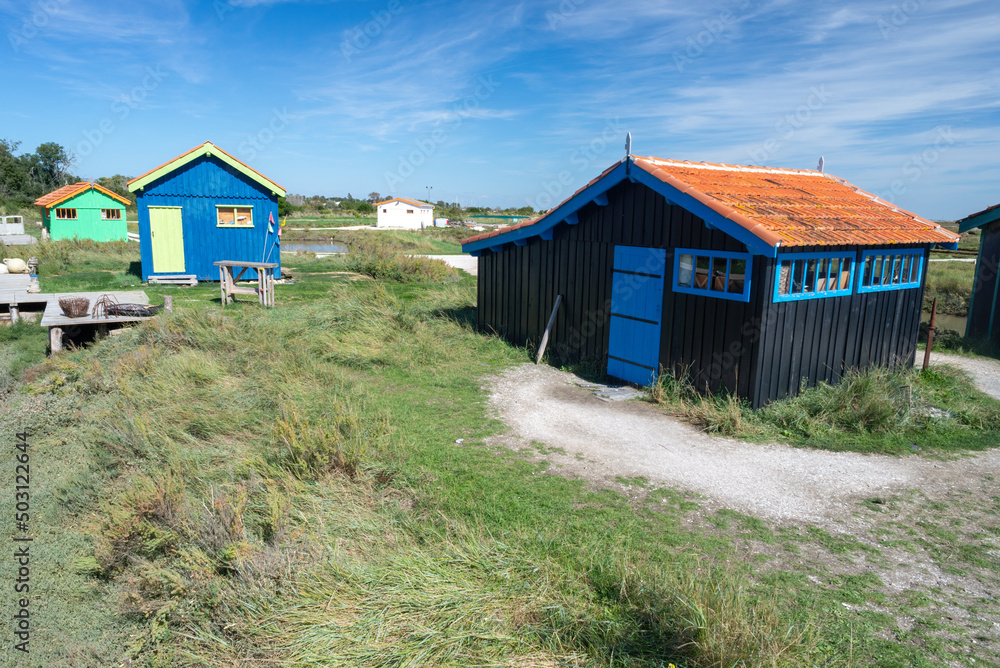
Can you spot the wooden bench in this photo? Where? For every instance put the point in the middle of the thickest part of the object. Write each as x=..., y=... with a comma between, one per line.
x=265, y=281
x=177, y=279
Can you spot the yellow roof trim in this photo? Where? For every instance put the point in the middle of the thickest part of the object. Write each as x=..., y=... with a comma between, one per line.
x=207, y=149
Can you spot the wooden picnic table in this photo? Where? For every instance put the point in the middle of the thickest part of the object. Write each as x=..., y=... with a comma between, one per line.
x=265, y=280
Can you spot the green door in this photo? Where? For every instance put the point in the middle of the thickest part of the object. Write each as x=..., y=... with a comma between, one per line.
x=167, y=239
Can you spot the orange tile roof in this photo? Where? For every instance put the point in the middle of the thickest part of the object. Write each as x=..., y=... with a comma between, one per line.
x=408, y=201
x=60, y=195
x=786, y=207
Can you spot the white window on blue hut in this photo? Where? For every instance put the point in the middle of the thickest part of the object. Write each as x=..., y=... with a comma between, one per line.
x=713, y=273
x=813, y=275
x=891, y=269
x=232, y=215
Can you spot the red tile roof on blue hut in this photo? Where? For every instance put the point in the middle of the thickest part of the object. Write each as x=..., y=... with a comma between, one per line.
x=766, y=208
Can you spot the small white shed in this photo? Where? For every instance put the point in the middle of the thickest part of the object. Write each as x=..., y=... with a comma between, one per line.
x=407, y=213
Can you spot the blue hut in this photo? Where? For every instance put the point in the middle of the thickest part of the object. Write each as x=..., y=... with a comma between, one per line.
x=201, y=207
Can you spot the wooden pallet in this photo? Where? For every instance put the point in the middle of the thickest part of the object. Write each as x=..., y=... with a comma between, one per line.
x=186, y=279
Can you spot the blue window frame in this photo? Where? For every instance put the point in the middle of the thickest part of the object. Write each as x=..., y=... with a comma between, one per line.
x=713, y=273
x=813, y=275
x=891, y=269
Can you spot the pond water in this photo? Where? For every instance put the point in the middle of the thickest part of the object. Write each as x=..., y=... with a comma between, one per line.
x=944, y=321
x=314, y=248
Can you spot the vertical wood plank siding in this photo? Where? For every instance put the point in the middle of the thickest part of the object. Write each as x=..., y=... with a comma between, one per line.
x=986, y=293
x=197, y=187
x=759, y=350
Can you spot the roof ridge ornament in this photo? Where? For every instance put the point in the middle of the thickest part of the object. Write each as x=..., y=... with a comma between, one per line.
x=628, y=145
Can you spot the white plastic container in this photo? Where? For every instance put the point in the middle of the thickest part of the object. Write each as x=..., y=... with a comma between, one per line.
x=16, y=265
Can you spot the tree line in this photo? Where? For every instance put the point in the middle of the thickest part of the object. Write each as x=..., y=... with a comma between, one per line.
x=26, y=176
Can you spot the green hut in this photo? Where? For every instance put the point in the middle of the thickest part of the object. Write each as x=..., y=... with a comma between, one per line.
x=84, y=211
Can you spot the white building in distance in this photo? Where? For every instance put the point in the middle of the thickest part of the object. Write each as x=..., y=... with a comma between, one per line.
x=406, y=213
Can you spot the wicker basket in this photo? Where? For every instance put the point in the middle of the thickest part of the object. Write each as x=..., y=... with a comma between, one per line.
x=75, y=307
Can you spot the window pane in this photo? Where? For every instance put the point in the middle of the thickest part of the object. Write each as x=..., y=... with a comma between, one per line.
x=719, y=265
x=881, y=270
x=822, y=268
x=834, y=275
x=809, y=283
x=226, y=216
x=685, y=271
x=798, y=269
x=244, y=215
x=701, y=272
x=737, y=276
x=785, y=277
x=897, y=269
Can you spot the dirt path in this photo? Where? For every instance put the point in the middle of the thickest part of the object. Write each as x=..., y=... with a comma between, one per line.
x=602, y=441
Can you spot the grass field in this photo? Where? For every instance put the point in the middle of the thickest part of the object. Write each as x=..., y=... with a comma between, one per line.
x=951, y=283
x=240, y=487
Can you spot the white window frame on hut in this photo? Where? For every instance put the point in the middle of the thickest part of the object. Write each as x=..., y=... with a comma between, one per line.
x=229, y=215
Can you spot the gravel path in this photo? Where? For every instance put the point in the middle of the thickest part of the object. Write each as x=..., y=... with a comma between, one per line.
x=604, y=440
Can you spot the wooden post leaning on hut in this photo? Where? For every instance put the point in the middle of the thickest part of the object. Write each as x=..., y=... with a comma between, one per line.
x=930, y=335
x=548, y=329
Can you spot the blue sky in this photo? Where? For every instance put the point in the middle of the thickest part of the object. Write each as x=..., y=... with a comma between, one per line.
x=512, y=104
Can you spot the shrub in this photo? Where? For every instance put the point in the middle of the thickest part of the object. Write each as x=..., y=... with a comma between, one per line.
x=341, y=440
x=375, y=259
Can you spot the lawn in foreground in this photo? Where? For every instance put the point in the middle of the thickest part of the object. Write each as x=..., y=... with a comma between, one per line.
x=244, y=486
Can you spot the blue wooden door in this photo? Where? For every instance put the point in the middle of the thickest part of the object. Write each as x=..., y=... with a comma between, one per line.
x=636, y=313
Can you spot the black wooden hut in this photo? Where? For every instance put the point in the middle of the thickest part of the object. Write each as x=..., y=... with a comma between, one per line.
x=752, y=279
x=984, y=311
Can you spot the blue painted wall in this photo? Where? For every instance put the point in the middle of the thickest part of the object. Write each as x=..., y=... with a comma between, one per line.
x=197, y=187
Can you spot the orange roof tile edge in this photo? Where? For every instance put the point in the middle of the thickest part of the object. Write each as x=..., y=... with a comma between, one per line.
x=752, y=226
x=652, y=166
x=68, y=191
x=408, y=201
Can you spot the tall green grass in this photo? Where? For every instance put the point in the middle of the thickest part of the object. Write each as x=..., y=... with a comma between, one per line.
x=282, y=487
x=374, y=258
x=951, y=284
x=876, y=410
x=59, y=257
